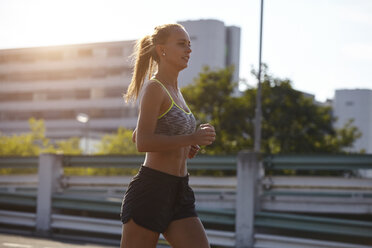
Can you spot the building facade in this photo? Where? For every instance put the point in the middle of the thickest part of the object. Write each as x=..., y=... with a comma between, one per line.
x=57, y=83
x=213, y=44
x=355, y=104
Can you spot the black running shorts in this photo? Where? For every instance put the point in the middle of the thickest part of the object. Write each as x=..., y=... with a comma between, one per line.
x=154, y=199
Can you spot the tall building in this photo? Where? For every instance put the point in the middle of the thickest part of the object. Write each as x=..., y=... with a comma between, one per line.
x=213, y=44
x=57, y=83
x=355, y=104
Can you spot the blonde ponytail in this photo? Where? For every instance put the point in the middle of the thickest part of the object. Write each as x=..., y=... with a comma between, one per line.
x=143, y=65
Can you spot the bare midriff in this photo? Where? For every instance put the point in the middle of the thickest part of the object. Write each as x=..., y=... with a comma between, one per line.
x=172, y=162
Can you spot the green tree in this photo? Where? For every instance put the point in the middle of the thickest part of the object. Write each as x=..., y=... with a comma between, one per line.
x=291, y=121
x=70, y=146
x=119, y=143
x=34, y=142
x=26, y=144
x=211, y=99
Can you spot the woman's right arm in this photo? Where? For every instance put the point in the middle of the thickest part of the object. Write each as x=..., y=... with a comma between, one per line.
x=148, y=141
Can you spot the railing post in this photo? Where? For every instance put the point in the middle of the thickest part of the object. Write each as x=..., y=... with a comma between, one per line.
x=246, y=198
x=49, y=173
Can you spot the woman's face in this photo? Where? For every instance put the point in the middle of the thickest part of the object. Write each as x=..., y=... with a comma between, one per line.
x=177, y=49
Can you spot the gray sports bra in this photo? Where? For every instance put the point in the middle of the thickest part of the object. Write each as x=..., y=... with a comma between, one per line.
x=175, y=121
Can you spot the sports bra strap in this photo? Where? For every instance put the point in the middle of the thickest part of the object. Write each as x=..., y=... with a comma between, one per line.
x=163, y=87
x=173, y=102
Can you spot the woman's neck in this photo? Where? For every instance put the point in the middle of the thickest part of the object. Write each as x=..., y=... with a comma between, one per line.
x=168, y=77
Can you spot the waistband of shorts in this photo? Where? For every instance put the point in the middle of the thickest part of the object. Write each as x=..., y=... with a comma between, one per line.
x=145, y=170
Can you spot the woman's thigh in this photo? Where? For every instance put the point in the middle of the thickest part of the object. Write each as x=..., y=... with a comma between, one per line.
x=186, y=233
x=134, y=236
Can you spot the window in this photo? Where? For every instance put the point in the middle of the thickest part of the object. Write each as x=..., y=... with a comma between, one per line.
x=16, y=97
x=17, y=115
x=28, y=57
x=82, y=94
x=52, y=114
x=115, y=71
x=115, y=52
x=54, y=55
x=96, y=93
x=114, y=92
x=99, y=73
x=54, y=95
x=86, y=52
x=96, y=113
x=39, y=96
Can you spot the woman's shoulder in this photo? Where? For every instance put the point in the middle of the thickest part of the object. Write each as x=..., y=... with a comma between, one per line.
x=152, y=86
x=152, y=89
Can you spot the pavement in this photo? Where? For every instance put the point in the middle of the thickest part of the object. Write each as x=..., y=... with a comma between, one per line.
x=20, y=241
x=24, y=241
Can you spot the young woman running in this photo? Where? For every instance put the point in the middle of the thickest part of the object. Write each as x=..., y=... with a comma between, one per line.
x=159, y=198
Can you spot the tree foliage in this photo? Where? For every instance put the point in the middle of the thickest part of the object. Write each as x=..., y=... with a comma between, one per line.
x=211, y=100
x=34, y=142
x=291, y=121
x=119, y=143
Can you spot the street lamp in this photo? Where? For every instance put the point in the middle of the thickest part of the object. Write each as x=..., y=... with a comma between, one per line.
x=258, y=114
x=84, y=118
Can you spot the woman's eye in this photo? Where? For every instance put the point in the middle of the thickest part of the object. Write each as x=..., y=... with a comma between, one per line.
x=184, y=44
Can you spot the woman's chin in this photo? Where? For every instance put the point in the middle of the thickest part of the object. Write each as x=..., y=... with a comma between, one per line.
x=184, y=66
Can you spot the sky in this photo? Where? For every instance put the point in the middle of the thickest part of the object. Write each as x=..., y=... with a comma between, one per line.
x=320, y=45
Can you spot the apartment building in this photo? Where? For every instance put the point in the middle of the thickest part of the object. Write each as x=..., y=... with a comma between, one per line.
x=60, y=82
x=355, y=104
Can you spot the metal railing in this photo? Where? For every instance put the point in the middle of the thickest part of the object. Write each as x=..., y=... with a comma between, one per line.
x=257, y=197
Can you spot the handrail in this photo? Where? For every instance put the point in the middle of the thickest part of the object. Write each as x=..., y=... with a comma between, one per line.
x=102, y=161
x=314, y=224
x=240, y=193
x=279, y=241
x=318, y=162
x=21, y=199
x=126, y=161
x=106, y=205
x=19, y=162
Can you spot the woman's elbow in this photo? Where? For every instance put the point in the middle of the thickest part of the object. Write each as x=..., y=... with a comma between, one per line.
x=144, y=143
x=141, y=145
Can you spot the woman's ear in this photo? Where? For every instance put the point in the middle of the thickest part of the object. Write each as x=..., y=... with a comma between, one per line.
x=160, y=50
